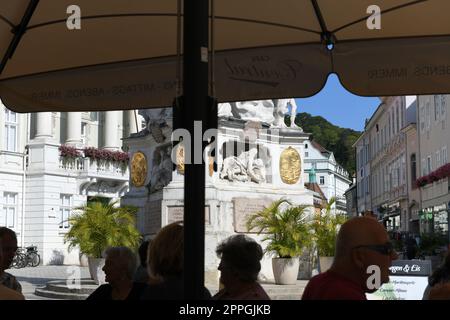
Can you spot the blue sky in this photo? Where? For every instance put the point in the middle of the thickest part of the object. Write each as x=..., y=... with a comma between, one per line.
x=339, y=106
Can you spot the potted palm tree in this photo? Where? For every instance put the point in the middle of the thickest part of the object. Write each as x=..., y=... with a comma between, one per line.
x=287, y=233
x=96, y=226
x=325, y=226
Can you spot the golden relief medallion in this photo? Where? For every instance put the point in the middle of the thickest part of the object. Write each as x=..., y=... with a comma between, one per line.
x=211, y=166
x=138, y=169
x=290, y=166
x=180, y=159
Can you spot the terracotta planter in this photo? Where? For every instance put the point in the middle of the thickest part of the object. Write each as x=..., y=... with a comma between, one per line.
x=285, y=270
x=95, y=269
x=325, y=263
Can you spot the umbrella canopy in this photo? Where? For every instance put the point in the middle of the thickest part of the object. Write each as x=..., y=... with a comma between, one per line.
x=125, y=53
x=125, y=56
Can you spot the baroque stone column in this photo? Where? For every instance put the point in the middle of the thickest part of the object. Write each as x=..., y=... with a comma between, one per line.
x=111, y=129
x=73, y=128
x=43, y=125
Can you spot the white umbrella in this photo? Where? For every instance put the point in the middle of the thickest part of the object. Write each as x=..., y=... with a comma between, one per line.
x=125, y=56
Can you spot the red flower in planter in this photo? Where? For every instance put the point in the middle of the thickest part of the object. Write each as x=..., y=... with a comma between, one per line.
x=438, y=174
x=68, y=151
x=106, y=155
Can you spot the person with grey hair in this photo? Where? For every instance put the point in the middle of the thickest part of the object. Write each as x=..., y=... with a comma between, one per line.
x=9, y=249
x=239, y=266
x=120, y=267
x=5, y=292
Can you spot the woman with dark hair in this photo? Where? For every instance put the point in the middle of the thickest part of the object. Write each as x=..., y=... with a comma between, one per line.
x=165, y=265
x=141, y=274
x=5, y=292
x=239, y=267
x=440, y=276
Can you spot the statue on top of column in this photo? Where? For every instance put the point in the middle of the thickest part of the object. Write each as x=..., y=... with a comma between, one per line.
x=270, y=111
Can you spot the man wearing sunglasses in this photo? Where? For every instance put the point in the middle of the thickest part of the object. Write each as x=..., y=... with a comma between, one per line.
x=362, y=242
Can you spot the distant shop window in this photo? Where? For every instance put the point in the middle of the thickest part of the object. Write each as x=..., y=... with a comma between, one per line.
x=64, y=210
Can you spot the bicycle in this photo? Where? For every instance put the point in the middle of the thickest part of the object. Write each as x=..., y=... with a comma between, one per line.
x=26, y=257
x=32, y=256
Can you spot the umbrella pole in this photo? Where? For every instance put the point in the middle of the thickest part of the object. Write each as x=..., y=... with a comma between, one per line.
x=195, y=91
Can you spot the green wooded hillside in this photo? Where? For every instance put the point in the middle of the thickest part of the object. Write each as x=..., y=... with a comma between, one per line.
x=336, y=139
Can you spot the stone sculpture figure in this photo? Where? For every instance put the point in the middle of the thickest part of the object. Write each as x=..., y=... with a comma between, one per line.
x=156, y=119
x=246, y=167
x=161, y=173
x=281, y=109
x=271, y=112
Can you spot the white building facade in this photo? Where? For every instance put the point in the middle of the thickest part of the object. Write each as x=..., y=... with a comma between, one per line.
x=332, y=178
x=381, y=164
x=39, y=188
x=433, y=128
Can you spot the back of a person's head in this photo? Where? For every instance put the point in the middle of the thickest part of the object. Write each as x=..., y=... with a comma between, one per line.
x=354, y=232
x=166, y=251
x=6, y=231
x=440, y=291
x=143, y=250
x=243, y=254
x=442, y=273
x=125, y=257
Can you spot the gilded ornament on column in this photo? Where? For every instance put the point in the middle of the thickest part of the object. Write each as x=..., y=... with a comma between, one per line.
x=138, y=169
x=180, y=159
x=211, y=166
x=290, y=166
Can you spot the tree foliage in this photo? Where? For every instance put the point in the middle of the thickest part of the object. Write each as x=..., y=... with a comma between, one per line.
x=336, y=139
x=97, y=226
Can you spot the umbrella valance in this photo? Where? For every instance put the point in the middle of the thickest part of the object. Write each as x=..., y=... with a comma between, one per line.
x=125, y=54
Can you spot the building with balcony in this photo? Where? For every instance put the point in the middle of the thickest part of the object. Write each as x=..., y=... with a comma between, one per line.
x=331, y=177
x=433, y=130
x=351, y=200
x=39, y=188
x=382, y=180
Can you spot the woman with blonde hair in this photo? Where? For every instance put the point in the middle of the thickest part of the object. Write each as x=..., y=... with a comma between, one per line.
x=165, y=265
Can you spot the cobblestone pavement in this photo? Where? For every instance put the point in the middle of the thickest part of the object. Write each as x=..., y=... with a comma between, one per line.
x=32, y=278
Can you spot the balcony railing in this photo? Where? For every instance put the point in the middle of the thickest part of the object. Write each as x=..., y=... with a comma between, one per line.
x=93, y=168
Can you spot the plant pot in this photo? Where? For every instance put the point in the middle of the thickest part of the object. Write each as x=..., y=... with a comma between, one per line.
x=325, y=263
x=95, y=269
x=285, y=270
x=83, y=260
